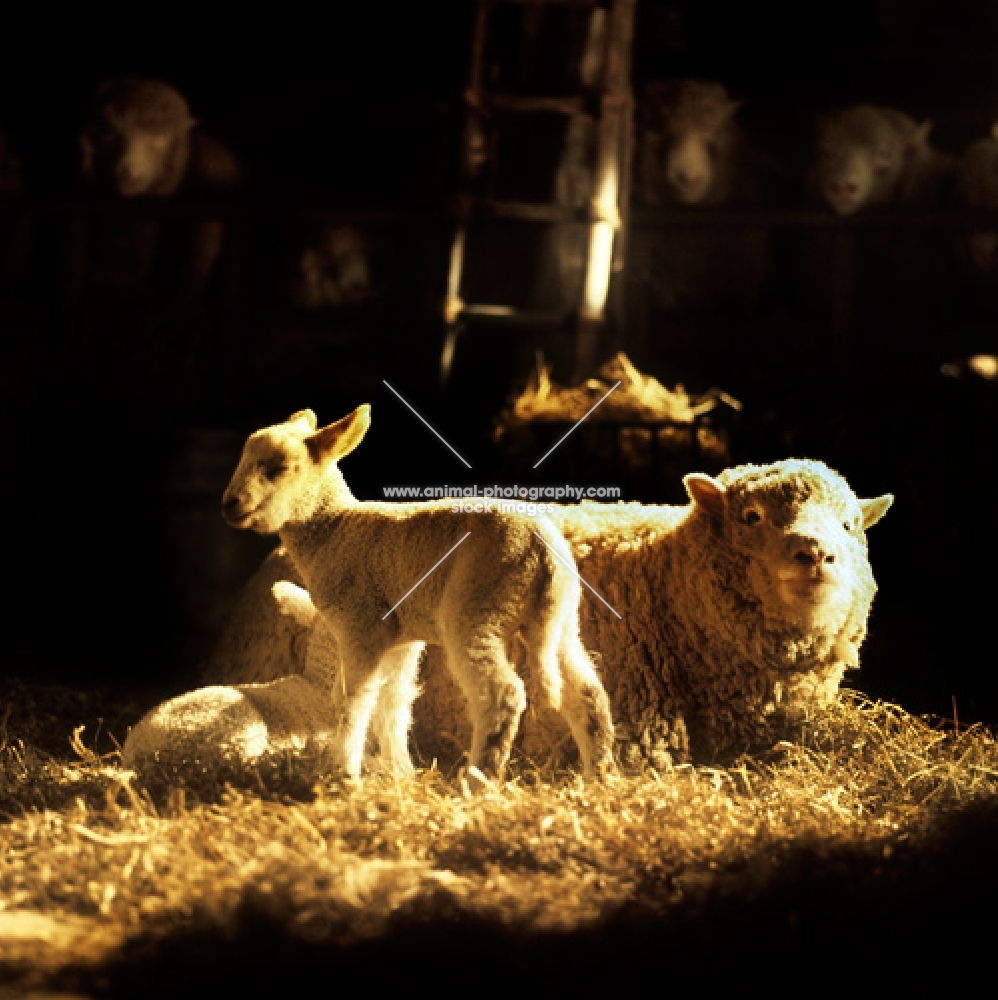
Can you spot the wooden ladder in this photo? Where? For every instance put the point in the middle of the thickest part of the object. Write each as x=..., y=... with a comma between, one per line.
x=606, y=87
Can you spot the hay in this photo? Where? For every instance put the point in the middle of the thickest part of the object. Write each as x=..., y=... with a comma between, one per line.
x=82, y=875
x=638, y=399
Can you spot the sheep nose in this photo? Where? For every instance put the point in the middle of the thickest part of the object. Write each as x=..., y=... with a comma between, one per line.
x=813, y=554
x=229, y=504
x=845, y=187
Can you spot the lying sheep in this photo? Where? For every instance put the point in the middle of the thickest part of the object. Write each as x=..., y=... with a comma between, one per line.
x=225, y=732
x=741, y=611
x=866, y=156
x=476, y=581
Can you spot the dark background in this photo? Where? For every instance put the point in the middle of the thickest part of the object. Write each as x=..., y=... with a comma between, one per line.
x=116, y=556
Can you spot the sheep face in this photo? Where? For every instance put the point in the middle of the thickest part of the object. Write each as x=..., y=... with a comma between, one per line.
x=691, y=123
x=797, y=539
x=136, y=140
x=281, y=467
x=859, y=158
x=335, y=270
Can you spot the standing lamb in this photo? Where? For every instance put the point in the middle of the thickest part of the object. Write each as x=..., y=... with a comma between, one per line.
x=475, y=581
x=741, y=612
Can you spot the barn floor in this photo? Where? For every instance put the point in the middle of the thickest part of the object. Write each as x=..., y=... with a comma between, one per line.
x=865, y=853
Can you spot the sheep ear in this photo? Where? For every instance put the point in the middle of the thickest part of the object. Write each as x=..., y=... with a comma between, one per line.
x=294, y=601
x=304, y=417
x=705, y=492
x=874, y=510
x=341, y=438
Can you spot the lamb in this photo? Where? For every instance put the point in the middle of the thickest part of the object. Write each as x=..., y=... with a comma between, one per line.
x=866, y=156
x=690, y=153
x=226, y=732
x=741, y=612
x=476, y=582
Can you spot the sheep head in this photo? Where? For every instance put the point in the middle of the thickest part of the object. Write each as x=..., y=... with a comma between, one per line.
x=285, y=469
x=860, y=155
x=692, y=123
x=794, y=532
x=136, y=137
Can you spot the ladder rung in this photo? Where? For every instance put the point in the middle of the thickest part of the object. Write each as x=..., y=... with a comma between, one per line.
x=508, y=315
x=528, y=103
x=530, y=211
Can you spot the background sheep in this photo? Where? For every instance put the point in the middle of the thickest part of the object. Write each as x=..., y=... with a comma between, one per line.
x=513, y=576
x=978, y=188
x=892, y=285
x=139, y=139
x=741, y=611
x=866, y=156
x=691, y=154
x=334, y=270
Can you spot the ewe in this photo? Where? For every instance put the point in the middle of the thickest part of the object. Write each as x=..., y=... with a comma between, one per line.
x=388, y=577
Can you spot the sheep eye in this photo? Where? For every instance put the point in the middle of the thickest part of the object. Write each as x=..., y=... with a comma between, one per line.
x=275, y=471
x=751, y=516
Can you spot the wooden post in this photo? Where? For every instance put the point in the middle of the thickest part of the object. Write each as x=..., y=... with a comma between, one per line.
x=615, y=112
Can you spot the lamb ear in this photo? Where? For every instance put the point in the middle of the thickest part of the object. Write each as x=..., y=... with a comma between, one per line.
x=306, y=417
x=705, y=492
x=874, y=510
x=340, y=438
